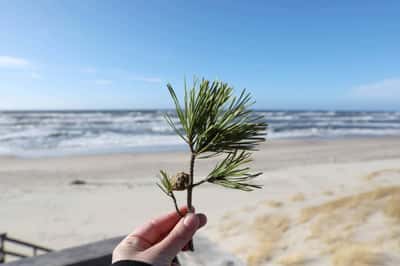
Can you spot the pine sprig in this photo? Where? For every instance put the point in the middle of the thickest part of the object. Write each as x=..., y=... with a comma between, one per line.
x=215, y=122
x=232, y=172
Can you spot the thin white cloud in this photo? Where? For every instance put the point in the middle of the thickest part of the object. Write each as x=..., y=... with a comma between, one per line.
x=35, y=75
x=89, y=70
x=13, y=62
x=103, y=82
x=147, y=79
x=387, y=89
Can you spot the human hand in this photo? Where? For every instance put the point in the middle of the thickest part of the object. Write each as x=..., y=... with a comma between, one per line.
x=159, y=241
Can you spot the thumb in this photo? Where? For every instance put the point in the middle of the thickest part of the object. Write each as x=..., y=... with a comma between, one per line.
x=180, y=235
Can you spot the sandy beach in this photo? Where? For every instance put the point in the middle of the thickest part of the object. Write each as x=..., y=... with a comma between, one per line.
x=324, y=202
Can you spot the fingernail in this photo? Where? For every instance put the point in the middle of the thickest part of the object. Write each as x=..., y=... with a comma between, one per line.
x=191, y=221
x=202, y=219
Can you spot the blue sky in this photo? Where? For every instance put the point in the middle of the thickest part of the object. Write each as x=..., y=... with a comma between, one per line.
x=120, y=54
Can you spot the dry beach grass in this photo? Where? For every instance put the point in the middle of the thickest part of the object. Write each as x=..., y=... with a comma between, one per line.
x=338, y=232
x=296, y=259
x=356, y=255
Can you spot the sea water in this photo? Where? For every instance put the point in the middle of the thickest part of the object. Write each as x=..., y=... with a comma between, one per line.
x=51, y=133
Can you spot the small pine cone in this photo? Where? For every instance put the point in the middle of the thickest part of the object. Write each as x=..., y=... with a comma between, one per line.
x=180, y=181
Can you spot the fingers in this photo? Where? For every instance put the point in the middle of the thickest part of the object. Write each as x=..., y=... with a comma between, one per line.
x=159, y=241
x=180, y=235
x=152, y=232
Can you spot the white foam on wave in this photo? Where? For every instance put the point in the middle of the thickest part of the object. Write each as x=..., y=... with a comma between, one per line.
x=27, y=134
x=4, y=151
x=103, y=144
x=108, y=140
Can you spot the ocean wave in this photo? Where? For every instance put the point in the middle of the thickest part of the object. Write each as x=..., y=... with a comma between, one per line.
x=109, y=140
x=84, y=131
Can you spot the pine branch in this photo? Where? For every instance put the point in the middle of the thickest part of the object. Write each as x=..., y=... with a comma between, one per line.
x=215, y=122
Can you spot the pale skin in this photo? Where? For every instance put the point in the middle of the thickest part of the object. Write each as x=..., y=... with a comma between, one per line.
x=160, y=240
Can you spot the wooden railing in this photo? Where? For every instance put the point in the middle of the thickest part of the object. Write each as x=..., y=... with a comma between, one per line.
x=36, y=249
x=92, y=254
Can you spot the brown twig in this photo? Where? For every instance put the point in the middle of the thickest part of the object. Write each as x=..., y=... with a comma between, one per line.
x=189, y=191
x=176, y=204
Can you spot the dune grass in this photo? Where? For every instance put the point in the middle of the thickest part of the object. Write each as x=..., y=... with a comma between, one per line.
x=335, y=224
x=331, y=228
x=273, y=203
x=349, y=202
x=261, y=254
x=298, y=197
x=249, y=208
x=356, y=255
x=296, y=259
x=267, y=231
x=392, y=208
x=328, y=193
x=381, y=172
x=228, y=227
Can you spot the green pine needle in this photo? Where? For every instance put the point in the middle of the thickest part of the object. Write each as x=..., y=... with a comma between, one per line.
x=214, y=122
x=232, y=172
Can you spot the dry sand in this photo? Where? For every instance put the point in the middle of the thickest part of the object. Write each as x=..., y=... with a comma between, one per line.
x=324, y=202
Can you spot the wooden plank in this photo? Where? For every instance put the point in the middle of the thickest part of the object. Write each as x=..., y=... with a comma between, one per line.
x=97, y=253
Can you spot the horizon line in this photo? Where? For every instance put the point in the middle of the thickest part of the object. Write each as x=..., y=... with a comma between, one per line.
x=171, y=109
